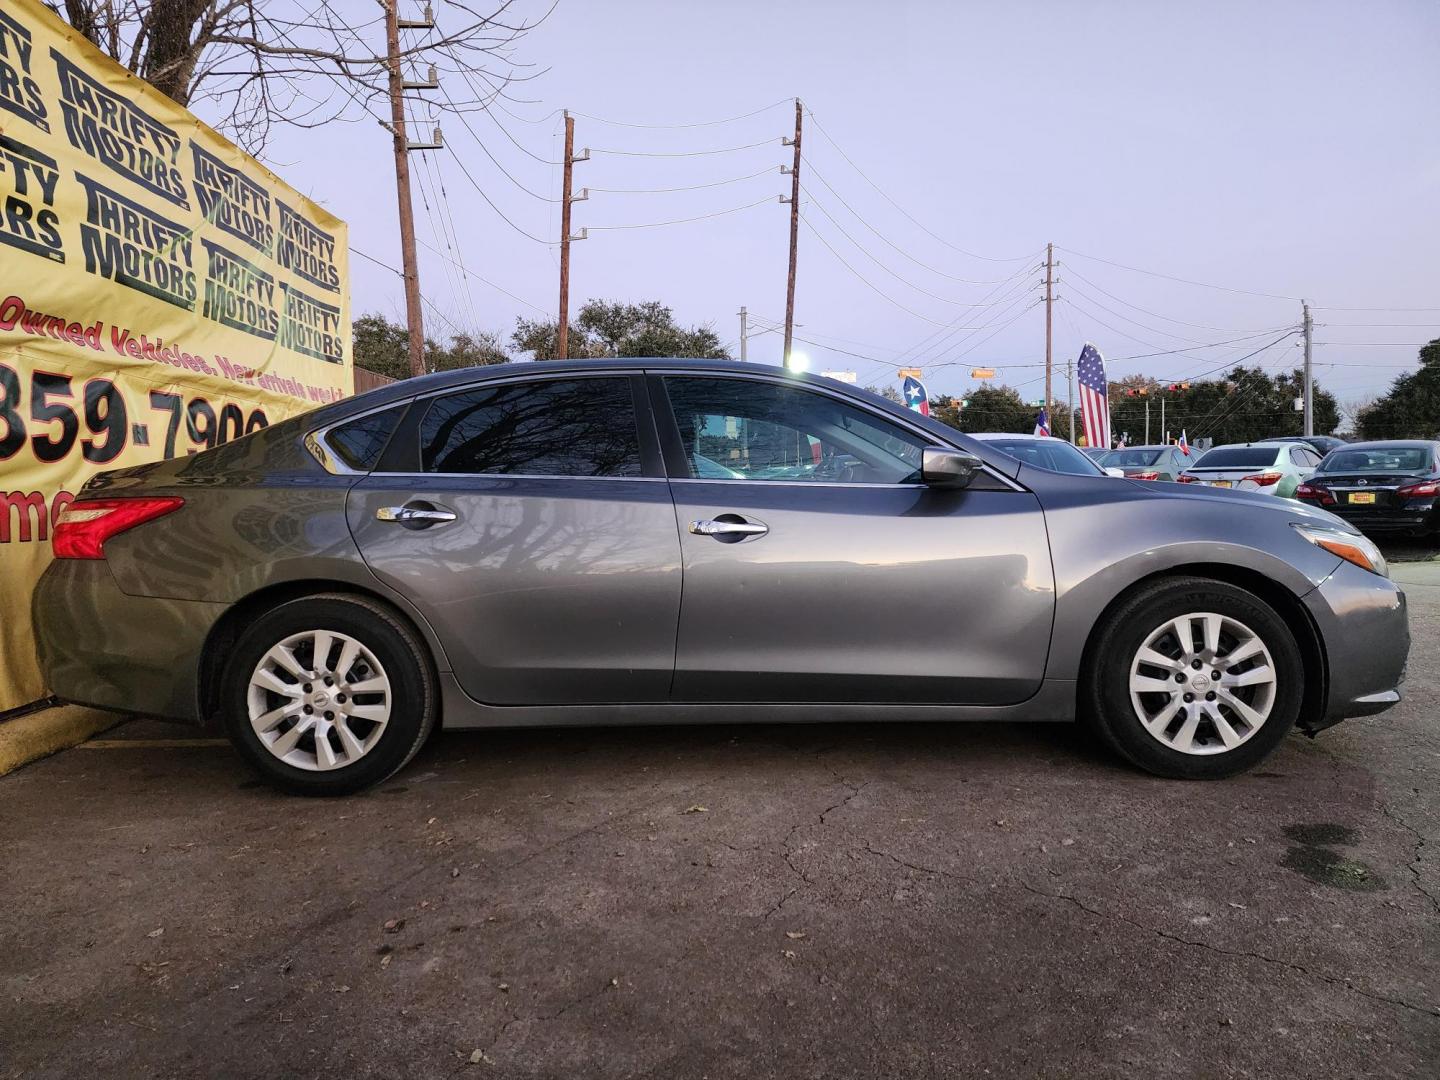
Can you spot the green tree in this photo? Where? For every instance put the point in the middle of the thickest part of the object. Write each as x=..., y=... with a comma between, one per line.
x=1243, y=406
x=1411, y=407
x=998, y=408
x=383, y=347
x=605, y=328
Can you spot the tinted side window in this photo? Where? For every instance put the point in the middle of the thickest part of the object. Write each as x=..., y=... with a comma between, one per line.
x=744, y=429
x=360, y=442
x=564, y=427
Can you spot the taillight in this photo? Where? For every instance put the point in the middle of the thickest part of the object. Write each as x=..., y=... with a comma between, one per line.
x=1186, y=478
x=1264, y=479
x=1421, y=490
x=1143, y=476
x=1314, y=491
x=83, y=527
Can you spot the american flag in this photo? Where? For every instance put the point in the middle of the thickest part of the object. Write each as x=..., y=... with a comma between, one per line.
x=1094, y=396
x=915, y=395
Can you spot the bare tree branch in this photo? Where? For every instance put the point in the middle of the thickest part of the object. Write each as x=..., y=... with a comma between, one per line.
x=300, y=63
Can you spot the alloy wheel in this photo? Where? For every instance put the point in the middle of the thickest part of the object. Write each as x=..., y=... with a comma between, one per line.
x=1202, y=683
x=319, y=700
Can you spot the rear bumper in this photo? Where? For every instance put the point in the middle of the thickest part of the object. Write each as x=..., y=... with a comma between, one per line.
x=1365, y=629
x=101, y=647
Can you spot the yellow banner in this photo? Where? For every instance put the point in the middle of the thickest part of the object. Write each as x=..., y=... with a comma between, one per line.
x=161, y=292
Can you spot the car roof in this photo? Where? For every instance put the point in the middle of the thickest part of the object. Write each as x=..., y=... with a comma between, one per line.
x=1391, y=444
x=417, y=385
x=993, y=436
x=1262, y=443
x=1149, y=446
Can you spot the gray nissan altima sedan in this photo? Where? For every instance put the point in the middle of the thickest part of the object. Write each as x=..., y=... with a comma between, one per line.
x=670, y=541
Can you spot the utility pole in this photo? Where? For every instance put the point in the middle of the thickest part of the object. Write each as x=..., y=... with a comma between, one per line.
x=1164, y=431
x=794, y=230
x=1049, y=313
x=744, y=330
x=411, y=272
x=562, y=323
x=1147, y=420
x=1070, y=412
x=562, y=330
x=1307, y=327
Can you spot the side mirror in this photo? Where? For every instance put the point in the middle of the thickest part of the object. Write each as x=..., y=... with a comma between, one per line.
x=942, y=467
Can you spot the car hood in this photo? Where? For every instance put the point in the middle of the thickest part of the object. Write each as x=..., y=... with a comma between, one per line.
x=1251, y=500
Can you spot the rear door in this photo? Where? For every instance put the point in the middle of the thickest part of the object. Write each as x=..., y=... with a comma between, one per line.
x=819, y=569
x=530, y=521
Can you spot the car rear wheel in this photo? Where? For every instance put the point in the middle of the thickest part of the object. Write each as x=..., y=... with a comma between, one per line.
x=1194, y=679
x=327, y=695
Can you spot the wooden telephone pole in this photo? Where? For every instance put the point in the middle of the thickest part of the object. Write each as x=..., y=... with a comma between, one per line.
x=1049, y=313
x=562, y=330
x=794, y=231
x=414, y=316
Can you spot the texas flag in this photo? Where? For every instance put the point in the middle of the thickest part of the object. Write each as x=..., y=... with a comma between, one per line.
x=1042, y=423
x=915, y=395
x=1183, y=445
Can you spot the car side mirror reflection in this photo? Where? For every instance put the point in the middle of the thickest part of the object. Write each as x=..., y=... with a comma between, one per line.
x=943, y=467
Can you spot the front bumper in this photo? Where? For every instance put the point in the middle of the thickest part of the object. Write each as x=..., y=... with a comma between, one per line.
x=1365, y=632
x=99, y=646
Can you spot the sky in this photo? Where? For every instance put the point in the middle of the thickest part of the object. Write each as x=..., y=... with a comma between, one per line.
x=1260, y=152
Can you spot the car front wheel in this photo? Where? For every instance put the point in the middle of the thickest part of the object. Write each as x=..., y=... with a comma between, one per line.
x=1194, y=679
x=327, y=695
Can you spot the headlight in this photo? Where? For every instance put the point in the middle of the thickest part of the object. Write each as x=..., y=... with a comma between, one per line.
x=1349, y=546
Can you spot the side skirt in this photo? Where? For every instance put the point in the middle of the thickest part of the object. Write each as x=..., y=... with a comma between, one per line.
x=1055, y=701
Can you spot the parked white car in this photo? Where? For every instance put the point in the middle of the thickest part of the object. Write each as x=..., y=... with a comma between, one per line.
x=1268, y=467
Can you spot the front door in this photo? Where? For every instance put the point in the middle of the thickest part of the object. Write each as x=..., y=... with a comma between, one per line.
x=819, y=569
x=535, y=536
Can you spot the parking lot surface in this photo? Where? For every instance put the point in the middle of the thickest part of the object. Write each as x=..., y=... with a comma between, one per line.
x=821, y=901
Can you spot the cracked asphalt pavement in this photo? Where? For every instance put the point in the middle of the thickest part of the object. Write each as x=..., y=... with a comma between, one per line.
x=822, y=901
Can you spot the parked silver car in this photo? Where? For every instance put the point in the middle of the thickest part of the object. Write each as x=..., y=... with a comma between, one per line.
x=1275, y=468
x=660, y=541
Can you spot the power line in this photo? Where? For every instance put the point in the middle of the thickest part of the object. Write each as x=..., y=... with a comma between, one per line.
x=936, y=338
x=689, y=187
x=839, y=149
x=863, y=279
x=681, y=221
x=1322, y=307
x=465, y=123
x=861, y=218
x=1133, y=322
x=483, y=280
x=1183, y=281
x=869, y=255
x=1197, y=348
x=684, y=153
x=398, y=273
x=1155, y=314
x=679, y=127
x=490, y=202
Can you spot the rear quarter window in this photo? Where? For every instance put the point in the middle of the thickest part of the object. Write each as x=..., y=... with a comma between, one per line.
x=360, y=442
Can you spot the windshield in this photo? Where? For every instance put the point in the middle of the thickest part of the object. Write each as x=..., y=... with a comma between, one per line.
x=1048, y=454
x=1120, y=459
x=1383, y=459
x=1237, y=457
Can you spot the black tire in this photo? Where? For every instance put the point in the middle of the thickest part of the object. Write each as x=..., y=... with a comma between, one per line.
x=1105, y=693
x=401, y=653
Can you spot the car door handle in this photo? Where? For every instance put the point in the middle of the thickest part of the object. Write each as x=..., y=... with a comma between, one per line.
x=731, y=527
x=415, y=517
